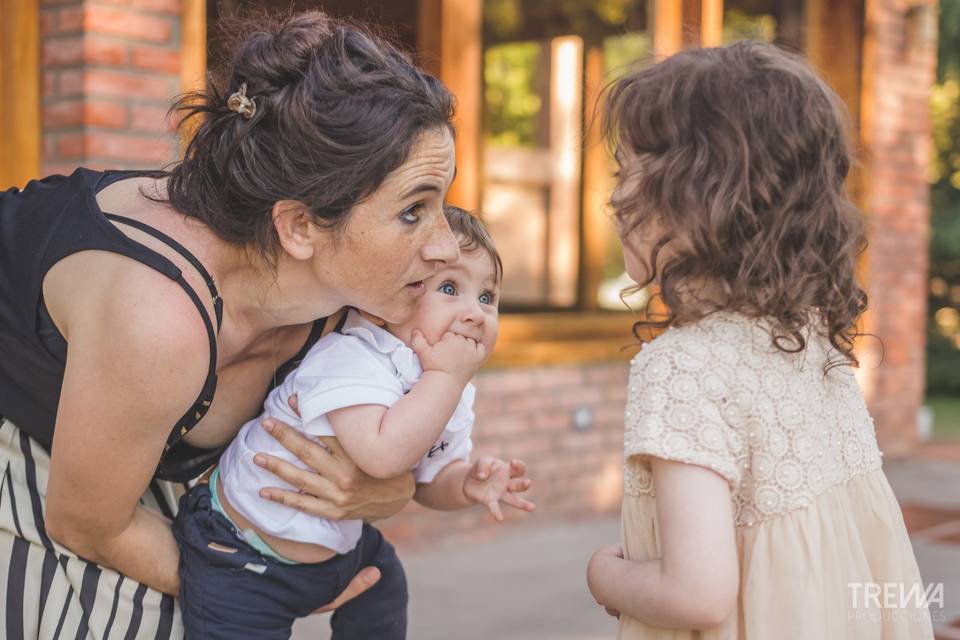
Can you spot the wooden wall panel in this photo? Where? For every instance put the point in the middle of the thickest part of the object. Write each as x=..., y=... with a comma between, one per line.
x=20, y=91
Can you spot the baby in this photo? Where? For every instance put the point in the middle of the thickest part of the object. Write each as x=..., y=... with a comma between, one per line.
x=396, y=397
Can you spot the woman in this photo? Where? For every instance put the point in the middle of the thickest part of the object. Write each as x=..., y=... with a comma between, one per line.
x=314, y=183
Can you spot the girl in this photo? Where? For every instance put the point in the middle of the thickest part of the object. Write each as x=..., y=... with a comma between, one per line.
x=755, y=504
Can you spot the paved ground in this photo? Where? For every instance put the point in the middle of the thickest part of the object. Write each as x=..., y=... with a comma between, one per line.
x=530, y=585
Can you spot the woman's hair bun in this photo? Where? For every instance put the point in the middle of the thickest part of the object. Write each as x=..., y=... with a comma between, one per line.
x=279, y=54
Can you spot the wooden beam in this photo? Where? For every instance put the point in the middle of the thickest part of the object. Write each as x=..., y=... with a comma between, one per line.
x=566, y=139
x=453, y=45
x=691, y=13
x=667, y=27
x=702, y=23
x=597, y=185
x=20, y=148
x=711, y=23
x=193, y=55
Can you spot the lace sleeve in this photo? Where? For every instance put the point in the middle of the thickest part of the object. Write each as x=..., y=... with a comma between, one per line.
x=676, y=404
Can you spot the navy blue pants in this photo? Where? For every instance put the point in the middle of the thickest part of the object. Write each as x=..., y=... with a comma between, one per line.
x=229, y=590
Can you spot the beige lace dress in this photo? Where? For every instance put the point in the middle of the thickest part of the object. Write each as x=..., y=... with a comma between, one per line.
x=813, y=510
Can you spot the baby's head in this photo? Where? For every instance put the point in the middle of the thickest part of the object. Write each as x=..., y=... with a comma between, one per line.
x=461, y=297
x=730, y=192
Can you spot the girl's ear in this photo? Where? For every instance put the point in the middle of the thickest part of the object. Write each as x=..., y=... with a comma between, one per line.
x=299, y=235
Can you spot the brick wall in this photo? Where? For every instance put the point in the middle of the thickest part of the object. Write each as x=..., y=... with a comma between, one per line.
x=531, y=414
x=109, y=69
x=898, y=74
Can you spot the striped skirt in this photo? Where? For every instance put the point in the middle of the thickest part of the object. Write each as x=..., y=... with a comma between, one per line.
x=48, y=592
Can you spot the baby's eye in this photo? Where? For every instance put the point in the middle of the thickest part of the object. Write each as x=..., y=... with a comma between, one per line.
x=412, y=214
x=486, y=298
x=448, y=288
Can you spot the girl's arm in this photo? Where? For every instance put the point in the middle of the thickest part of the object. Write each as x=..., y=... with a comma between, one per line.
x=387, y=441
x=695, y=582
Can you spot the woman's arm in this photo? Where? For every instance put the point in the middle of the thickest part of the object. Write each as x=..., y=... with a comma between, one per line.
x=137, y=356
x=695, y=582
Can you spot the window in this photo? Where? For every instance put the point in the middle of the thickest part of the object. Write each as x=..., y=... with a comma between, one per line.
x=545, y=175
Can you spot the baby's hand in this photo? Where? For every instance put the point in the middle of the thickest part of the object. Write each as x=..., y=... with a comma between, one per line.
x=491, y=480
x=457, y=355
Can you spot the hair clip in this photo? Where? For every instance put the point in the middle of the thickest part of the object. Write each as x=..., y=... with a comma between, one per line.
x=239, y=102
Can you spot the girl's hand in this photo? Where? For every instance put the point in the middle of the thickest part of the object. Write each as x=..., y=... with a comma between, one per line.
x=596, y=570
x=454, y=354
x=491, y=480
x=336, y=489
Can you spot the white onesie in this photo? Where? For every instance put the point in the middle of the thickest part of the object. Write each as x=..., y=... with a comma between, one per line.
x=362, y=364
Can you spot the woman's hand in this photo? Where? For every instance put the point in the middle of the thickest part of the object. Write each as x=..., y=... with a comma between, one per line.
x=336, y=489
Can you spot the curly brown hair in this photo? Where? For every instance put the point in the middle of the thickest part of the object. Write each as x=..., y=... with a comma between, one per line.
x=736, y=158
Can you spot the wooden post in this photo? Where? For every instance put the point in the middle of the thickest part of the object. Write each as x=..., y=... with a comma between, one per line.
x=691, y=15
x=193, y=55
x=20, y=86
x=597, y=185
x=450, y=40
x=702, y=23
x=566, y=136
x=711, y=23
x=667, y=27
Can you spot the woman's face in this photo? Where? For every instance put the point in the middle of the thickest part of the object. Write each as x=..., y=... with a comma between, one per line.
x=397, y=237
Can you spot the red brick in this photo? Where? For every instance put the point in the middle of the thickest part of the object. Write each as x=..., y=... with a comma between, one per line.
x=48, y=22
x=70, y=19
x=157, y=59
x=150, y=119
x=70, y=82
x=71, y=145
x=127, y=85
x=128, y=24
x=63, y=114
x=62, y=51
x=128, y=147
x=104, y=52
x=49, y=84
x=172, y=7
x=110, y=115
x=557, y=377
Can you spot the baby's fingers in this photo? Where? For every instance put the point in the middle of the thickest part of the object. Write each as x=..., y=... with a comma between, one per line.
x=494, y=507
x=519, y=485
x=418, y=343
x=517, y=502
x=485, y=467
x=517, y=468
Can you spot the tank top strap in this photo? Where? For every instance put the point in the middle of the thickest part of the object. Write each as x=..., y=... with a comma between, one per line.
x=202, y=404
x=189, y=257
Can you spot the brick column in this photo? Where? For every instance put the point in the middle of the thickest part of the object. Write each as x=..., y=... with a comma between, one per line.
x=110, y=69
x=899, y=70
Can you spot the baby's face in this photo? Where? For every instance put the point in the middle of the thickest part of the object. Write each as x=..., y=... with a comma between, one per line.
x=462, y=298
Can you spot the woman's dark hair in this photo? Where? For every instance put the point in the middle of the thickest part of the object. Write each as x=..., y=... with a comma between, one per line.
x=472, y=235
x=337, y=108
x=737, y=156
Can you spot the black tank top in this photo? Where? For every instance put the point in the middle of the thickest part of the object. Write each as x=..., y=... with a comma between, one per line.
x=40, y=225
